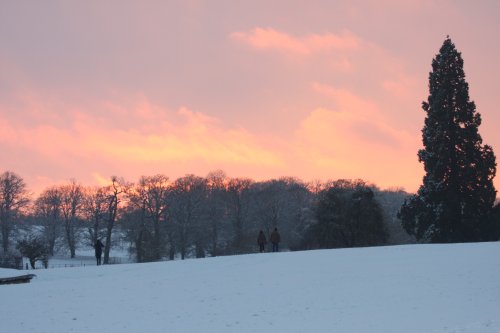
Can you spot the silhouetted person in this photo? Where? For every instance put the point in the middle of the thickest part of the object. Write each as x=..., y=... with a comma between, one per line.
x=275, y=239
x=261, y=240
x=98, y=251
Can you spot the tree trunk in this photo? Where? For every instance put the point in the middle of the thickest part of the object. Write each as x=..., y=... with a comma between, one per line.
x=214, y=239
x=6, y=228
x=70, y=238
x=109, y=228
x=5, y=237
x=138, y=247
x=107, y=246
x=156, y=239
x=172, y=252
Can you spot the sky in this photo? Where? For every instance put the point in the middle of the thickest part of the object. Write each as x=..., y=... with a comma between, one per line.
x=262, y=89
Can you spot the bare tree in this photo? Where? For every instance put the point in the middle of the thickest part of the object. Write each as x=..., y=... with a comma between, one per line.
x=216, y=208
x=14, y=198
x=187, y=210
x=114, y=195
x=282, y=203
x=238, y=210
x=71, y=203
x=48, y=212
x=152, y=195
x=135, y=224
x=94, y=210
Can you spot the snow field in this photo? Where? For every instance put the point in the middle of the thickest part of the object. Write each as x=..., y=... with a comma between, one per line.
x=413, y=288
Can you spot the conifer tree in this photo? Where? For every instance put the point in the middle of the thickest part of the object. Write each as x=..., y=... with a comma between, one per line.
x=348, y=215
x=457, y=195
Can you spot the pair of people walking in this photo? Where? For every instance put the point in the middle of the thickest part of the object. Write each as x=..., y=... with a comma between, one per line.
x=275, y=240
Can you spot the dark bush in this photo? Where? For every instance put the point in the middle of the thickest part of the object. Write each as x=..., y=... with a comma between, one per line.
x=34, y=248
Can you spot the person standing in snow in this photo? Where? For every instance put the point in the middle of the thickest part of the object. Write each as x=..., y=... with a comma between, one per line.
x=261, y=240
x=98, y=251
x=275, y=239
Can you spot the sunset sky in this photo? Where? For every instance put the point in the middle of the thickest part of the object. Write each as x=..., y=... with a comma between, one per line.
x=260, y=89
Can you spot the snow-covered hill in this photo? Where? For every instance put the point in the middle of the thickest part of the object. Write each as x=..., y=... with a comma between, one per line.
x=419, y=288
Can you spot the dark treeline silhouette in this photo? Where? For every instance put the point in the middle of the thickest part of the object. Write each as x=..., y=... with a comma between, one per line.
x=159, y=218
x=348, y=215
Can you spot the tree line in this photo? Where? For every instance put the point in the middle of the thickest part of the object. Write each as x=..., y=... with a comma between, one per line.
x=194, y=216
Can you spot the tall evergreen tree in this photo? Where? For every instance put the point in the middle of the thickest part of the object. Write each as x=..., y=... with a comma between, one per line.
x=457, y=194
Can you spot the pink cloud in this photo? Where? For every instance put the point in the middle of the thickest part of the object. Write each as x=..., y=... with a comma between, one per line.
x=354, y=139
x=347, y=145
x=403, y=87
x=271, y=39
x=137, y=137
x=346, y=100
x=164, y=137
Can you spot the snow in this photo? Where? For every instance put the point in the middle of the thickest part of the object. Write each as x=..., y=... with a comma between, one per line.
x=413, y=288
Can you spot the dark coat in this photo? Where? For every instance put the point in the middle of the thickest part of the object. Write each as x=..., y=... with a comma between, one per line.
x=275, y=237
x=261, y=239
x=98, y=248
